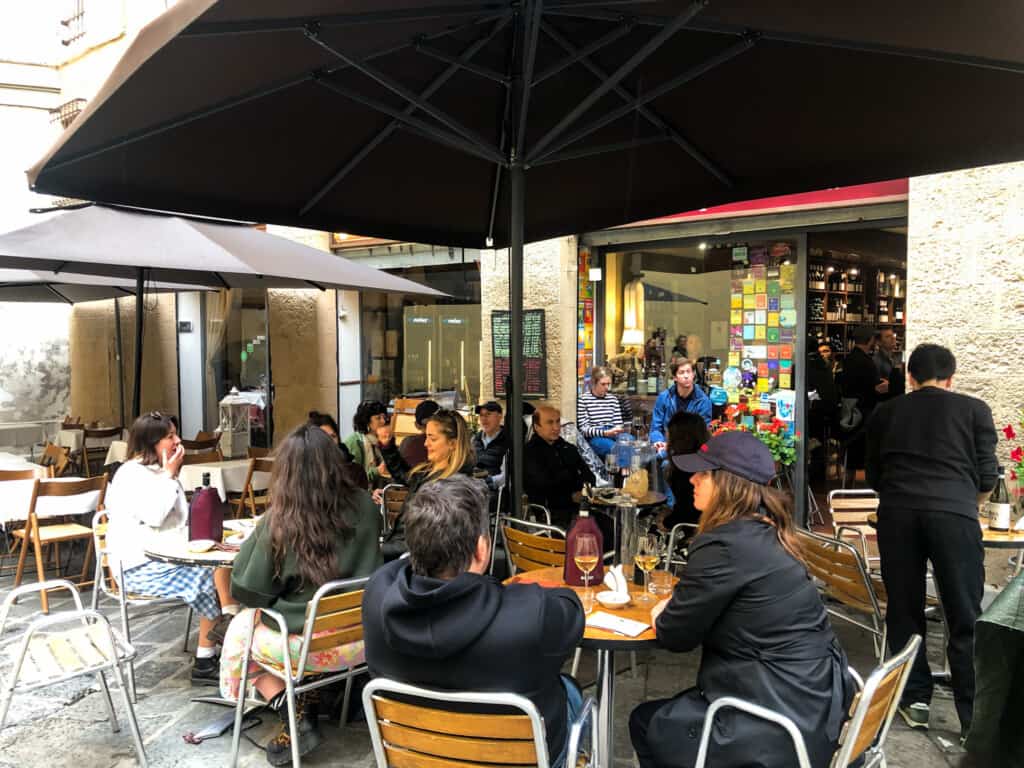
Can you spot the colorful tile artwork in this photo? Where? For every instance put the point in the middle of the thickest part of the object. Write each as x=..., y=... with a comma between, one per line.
x=759, y=285
x=787, y=274
x=773, y=352
x=759, y=333
x=748, y=286
x=773, y=319
x=749, y=316
x=748, y=332
x=785, y=381
x=773, y=288
x=772, y=335
x=749, y=301
x=787, y=301
x=787, y=335
x=762, y=369
x=787, y=318
x=773, y=303
x=736, y=316
x=736, y=302
x=786, y=352
x=760, y=317
x=734, y=359
x=760, y=301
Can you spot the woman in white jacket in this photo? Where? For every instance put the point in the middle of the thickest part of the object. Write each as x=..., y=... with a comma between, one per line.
x=145, y=501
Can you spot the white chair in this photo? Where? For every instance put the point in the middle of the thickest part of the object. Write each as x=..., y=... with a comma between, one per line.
x=105, y=584
x=65, y=645
x=412, y=726
x=863, y=734
x=335, y=608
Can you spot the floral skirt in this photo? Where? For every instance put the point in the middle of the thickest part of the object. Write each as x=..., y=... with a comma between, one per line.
x=266, y=649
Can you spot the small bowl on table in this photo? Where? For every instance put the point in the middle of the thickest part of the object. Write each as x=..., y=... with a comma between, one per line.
x=613, y=600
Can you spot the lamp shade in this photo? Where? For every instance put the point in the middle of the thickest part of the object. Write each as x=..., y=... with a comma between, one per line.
x=632, y=337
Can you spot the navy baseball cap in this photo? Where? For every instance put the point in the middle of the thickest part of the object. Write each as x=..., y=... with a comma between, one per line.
x=738, y=452
x=490, y=405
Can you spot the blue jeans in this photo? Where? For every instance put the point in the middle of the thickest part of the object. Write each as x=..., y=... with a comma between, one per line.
x=602, y=445
x=573, y=703
x=664, y=461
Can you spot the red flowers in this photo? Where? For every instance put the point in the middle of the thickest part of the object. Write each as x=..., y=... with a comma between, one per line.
x=704, y=447
x=1008, y=431
x=1017, y=455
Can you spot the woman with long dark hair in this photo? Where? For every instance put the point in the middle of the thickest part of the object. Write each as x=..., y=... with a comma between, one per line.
x=318, y=527
x=746, y=598
x=449, y=451
x=145, y=503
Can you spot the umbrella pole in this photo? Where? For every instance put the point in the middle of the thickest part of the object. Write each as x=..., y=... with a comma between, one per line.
x=517, y=195
x=119, y=353
x=139, y=309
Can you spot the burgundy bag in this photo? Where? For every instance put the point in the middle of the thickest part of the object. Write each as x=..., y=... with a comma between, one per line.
x=206, y=515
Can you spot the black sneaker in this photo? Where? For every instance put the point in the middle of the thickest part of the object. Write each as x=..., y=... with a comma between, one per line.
x=206, y=671
x=220, y=629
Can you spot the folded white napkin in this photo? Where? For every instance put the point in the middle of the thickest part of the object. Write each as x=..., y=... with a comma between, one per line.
x=617, y=624
x=615, y=580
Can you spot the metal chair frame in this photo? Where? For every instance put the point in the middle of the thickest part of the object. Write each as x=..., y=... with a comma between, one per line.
x=669, y=560
x=118, y=651
x=867, y=495
x=293, y=681
x=123, y=597
x=379, y=687
x=874, y=754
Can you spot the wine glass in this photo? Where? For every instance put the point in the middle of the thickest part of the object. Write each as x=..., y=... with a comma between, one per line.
x=585, y=555
x=646, y=558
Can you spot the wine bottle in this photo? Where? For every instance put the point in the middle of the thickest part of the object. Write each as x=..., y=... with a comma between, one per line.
x=631, y=379
x=999, y=506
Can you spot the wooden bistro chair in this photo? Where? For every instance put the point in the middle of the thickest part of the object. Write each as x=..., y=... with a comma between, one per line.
x=77, y=454
x=413, y=727
x=531, y=546
x=849, y=509
x=105, y=584
x=98, y=453
x=843, y=576
x=254, y=499
x=64, y=646
x=202, y=457
x=38, y=536
x=202, y=446
x=863, y=735
x=335, y=615
x=15, y=475
x=392, y=499
x=57, y=457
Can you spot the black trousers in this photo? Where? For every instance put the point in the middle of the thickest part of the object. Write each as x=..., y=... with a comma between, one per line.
x=639, y=722
x=907, y=540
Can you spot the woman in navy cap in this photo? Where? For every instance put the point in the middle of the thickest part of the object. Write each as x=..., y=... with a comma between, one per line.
x=747, y=600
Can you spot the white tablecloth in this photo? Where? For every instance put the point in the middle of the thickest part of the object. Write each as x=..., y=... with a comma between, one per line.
x=226, y=476
x=72, y=438
x=8, y=461
x=16, y=495
x=118, y=451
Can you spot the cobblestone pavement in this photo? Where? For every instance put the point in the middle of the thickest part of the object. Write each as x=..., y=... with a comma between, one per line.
x=66, y=726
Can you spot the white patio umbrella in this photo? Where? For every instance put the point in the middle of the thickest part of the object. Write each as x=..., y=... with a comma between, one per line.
x=120, y=244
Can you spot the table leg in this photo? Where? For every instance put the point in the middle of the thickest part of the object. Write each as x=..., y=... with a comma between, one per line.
x=605, y=748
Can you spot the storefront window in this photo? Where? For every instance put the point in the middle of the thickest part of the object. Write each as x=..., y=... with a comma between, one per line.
x=414, y=346
x=729, y=307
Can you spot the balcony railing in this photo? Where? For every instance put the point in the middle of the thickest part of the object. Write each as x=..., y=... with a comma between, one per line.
x=74, y=24
x=67, y=112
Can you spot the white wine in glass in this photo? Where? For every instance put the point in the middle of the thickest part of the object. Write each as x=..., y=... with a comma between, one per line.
x=585, y=556
x=646, y=559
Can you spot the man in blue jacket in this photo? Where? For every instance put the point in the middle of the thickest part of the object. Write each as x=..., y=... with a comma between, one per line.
x=684, y=395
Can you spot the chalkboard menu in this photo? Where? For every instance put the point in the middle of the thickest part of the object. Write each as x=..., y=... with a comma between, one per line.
x=535, y=372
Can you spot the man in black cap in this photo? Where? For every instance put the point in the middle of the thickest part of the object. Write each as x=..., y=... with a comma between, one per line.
x=490, y=444
x=414, y=448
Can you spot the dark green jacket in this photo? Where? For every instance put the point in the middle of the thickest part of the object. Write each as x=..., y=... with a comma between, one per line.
x=254, y=584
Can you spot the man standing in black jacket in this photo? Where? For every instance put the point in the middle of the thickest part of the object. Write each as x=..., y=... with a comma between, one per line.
x=860, y=381
x=931, y=457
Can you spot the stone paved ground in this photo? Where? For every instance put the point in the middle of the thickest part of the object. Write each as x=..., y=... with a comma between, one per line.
x=67, y=727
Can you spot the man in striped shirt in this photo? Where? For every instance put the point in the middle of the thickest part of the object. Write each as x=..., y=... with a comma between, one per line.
x=598, y=414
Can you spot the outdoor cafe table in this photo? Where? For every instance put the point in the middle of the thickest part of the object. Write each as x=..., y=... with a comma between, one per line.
x=989, y=539
x=10, y=462
x=226, y=476
x=175, y=551
x=607, y=644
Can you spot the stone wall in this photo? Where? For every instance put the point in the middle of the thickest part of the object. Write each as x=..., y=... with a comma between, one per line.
x=94, y=367
x=965, y=280
x=303, y=356
x=549, y=283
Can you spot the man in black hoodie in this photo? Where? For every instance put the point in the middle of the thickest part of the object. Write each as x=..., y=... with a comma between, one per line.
x=437, y=620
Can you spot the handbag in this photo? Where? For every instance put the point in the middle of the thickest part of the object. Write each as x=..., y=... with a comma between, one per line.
x=850, y=416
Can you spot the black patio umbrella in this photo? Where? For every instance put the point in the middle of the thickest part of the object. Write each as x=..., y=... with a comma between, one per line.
x=422, y=119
